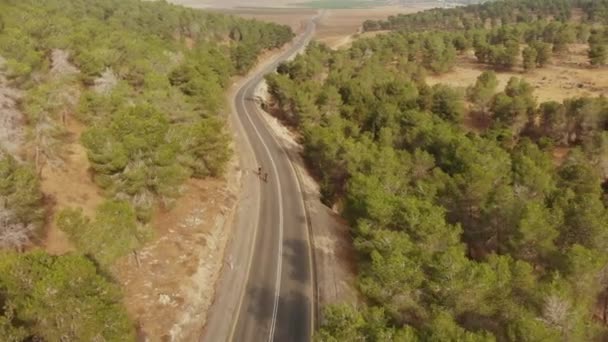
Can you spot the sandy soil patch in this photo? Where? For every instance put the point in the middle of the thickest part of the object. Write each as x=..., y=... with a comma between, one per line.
x=169, y=284
x=338, y=26
x=68, y=184
x=568, y=76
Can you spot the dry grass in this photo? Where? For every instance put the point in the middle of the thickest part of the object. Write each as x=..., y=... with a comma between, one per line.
x=296, y=18
x=169, y=286
x=568, y=76
x=338, y=26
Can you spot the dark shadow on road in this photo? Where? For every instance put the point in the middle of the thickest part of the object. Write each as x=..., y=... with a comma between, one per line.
x=293, y=315
x=293, y=319
x=260, y=304
x=296, y=255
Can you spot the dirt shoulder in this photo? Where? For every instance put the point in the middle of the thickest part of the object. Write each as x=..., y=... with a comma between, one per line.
x=170, y=283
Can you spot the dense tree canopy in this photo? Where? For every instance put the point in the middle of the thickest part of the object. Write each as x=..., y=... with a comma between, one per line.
x=21, y=213
x=144, y=81
x=504, y=32
x=141, y=67
x=58, y=298
x=463, y=234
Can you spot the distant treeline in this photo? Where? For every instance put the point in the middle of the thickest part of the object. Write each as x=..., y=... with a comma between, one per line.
x=495, y=13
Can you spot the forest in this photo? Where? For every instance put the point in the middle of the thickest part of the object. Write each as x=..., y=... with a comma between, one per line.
x=462, y=233
x=147, y=82
x=501, y=32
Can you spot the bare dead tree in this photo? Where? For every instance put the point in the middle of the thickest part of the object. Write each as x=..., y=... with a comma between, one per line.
x=556, y=311
x=14, y=234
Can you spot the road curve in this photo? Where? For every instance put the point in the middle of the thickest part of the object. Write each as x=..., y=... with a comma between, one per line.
x=273, y=257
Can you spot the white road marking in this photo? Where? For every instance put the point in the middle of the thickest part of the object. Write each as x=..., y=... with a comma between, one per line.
x=255, y=235
x=277, y=289
x=310, y=250
x=246, y=86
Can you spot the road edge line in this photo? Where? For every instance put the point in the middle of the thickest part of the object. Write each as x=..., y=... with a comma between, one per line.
x=252, y=248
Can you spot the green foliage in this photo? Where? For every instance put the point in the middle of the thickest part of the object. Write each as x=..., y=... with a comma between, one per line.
x=346, y=323
x=208, y=147
x=543, y=53
x=134, y=152
x=497, y=29
x=530, y=57
x=447, y=103
x=443, y=328
x=438, y=54
x=515, y=104
x=112, y=234
x=148, y=79
x=598, y=54
x=21, y=204
x=483, y=91
x=461, y=235
x=57, y=298
x=153, y=76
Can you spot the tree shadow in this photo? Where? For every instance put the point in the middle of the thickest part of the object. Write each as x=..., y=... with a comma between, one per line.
x=293, y=314
x=293, y=318
x=261, y=302
x=296, y=254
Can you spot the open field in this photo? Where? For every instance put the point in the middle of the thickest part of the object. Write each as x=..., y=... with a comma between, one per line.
x=292, y=17
x=336, y=28
x=280, y=3
x=567, y=76
x=341, y=3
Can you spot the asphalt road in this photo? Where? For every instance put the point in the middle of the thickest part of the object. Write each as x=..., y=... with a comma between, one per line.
x=276, y=302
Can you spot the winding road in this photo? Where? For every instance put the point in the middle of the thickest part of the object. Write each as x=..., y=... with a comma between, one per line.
x=265, y=292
